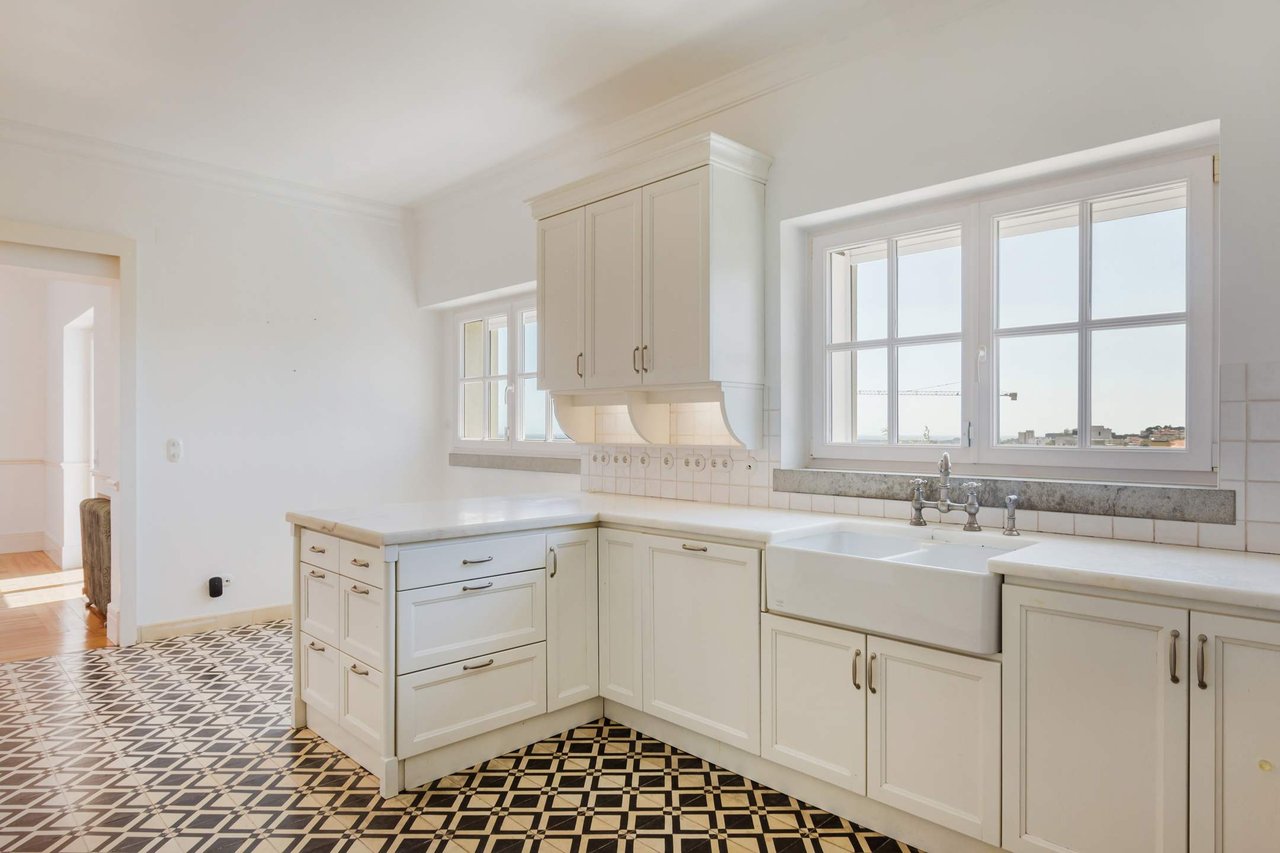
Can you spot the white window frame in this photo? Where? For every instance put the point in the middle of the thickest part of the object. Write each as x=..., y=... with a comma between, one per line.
x=512, y=445
x=979, y=402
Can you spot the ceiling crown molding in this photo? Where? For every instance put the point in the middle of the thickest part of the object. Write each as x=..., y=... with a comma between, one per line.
x=92, y=148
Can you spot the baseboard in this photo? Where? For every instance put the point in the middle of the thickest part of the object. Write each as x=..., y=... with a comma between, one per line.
x=861, y=810
x=200, y=624
x=21, y=543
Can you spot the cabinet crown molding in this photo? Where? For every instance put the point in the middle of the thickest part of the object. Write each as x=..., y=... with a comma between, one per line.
x=704, y=149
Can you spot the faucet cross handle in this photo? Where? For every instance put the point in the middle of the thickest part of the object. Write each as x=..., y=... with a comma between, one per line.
x=971, y=487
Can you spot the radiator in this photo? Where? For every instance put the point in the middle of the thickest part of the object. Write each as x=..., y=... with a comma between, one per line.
x=95, y=541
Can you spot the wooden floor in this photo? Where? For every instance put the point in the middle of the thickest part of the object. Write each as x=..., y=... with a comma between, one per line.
x=42, y=610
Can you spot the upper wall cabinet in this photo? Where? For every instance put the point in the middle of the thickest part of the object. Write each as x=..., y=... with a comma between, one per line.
x=651, y=286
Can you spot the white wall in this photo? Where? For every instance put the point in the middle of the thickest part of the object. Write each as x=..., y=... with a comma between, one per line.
x=279, y=340
x=1009, y=83
x=22, y=410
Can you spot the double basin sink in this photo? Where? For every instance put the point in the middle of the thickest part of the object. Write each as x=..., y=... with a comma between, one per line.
x=923, y=587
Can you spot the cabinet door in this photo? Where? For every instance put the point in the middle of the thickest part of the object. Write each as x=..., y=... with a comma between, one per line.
x=813, y=706
x=1095, y=724
x=933, y=735
x=561, y=300
x=621, y=565
x=319, y=670
x=613, y=291
x=1235, y=734
x=318, y=602
x=362, y=700
x=361, y=623
x=677, y=252
x=573, y=637
x=702, y=637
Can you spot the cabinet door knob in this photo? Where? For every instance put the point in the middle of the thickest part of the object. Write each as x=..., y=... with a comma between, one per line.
x=468, y=666
x=1173, y=655
x=1200, y=682
x=689, y=547
x=857, y=653
x=477, y=562
x=359, y=564
x=871, y=672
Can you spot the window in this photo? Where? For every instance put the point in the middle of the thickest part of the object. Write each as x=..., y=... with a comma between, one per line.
x=1069, y=325
x=499, y=404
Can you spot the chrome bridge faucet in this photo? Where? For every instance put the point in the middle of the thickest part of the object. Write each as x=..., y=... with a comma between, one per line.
x=944, y=504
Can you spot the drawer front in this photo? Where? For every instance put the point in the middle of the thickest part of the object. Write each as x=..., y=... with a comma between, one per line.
x=361, y=563
x=447, y=623
x=450, y=703
x=318, y=602
x=319, y=664
x=468, y=559
x=319, y=549
x=363, y=610
x=361, y=700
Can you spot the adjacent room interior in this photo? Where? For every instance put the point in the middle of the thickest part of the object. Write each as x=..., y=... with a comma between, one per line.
x=750, y=427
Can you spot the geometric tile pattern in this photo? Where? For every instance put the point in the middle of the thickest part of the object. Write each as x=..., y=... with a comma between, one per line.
x=184, y=745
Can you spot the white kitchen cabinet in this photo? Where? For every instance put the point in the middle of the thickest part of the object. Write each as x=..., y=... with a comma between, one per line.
x=562, y=295
x=361, y=622
x=573, y=647
x=613, y=291
x=318, y=591
x=621, y=587
x=318, y=667
x=1095, y=724
x=701, y=634
x=1235, y=734
x=361, y=700
x=933, y=735
x=813, y=707
x=677, y=257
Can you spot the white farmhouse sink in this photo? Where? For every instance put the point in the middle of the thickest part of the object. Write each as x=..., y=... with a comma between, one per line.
x=913, y=587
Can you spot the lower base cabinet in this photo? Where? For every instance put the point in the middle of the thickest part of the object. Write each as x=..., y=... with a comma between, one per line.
x=361, y=704
x=319, y=668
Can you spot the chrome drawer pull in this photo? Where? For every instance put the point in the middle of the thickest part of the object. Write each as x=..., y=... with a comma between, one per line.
x=871, y=672
x=359, y=564
x=1173, y=655
x=1200, y=682
x=315, y=647
x=489, y=662
x=857, y=653
x=477, y=562
x=316, y=549
x=359, y=590
x=320, y=575
x=689, y=547
x=474, y=588
x=358, y=671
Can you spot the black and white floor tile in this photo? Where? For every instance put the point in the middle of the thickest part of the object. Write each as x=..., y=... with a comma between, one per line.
x=185, y=745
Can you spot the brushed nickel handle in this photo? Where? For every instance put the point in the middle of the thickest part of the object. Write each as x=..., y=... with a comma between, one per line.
x=315, y=574
x=359, y=590
x=477, y=562
x=1200, y=682
x=644, y=358
x=555, y=561
x=689, y=547
x=474, y=588
x=871, y=673
x=580, y=372
x=857, y=653
x=358, y=671
x=1173, y=655
x=359, y=564
x=316, y=549
x=469, y=666
x=315, y=647
x=635, y=355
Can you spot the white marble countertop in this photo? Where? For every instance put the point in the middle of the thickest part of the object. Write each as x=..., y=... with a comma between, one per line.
x=1194, y=574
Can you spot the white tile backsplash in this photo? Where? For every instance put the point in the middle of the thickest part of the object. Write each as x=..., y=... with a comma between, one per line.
x=1231, y=426
x=1134, y=529
x=1263, y=537
x=1177, y=532
x=1098, y=526
x=1263, y=381
x=1263, y=462
x=1262, y=502
x=1231, y=383
x=1264, y=421
x=1231, y=460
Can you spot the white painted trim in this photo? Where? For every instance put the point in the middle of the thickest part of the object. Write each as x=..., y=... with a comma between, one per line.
x=92, y=148
x=22, y=543
x=22, y=462
x=200, y=624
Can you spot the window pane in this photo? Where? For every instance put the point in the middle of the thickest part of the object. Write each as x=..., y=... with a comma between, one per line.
x=1139, y=387
x=497, y=346
x=472, y=410
x=860, y=293
x=1140, y=253
x=529, y=337
x=1038, y=391
x=929, y=283
x=473, y=349
x=841, y=378
x=929, y=394
x=860, y=396
x=497, y=425
x=1039, y=267
x=533, y=411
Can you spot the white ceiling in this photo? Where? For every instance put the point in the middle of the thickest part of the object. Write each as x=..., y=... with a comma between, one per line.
x=384, y=99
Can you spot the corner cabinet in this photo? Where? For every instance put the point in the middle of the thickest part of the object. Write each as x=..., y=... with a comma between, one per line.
x=573, y=672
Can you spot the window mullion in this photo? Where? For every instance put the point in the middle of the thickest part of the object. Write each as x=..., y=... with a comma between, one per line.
x=1084, y=346
x=891, y=343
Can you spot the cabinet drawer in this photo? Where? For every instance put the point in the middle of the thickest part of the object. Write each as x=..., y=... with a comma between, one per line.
x=450, y=622
x=319, y=549
x=361, y=621
x=361, y=562
x=361, y=700
x=467, y=559
x=450, y=703
x=319, y=664
x=318, y=602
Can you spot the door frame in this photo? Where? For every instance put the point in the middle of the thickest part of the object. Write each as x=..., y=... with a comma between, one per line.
x=122, y=612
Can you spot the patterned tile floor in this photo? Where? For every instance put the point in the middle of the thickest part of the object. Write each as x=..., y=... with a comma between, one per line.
x=185, y=745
